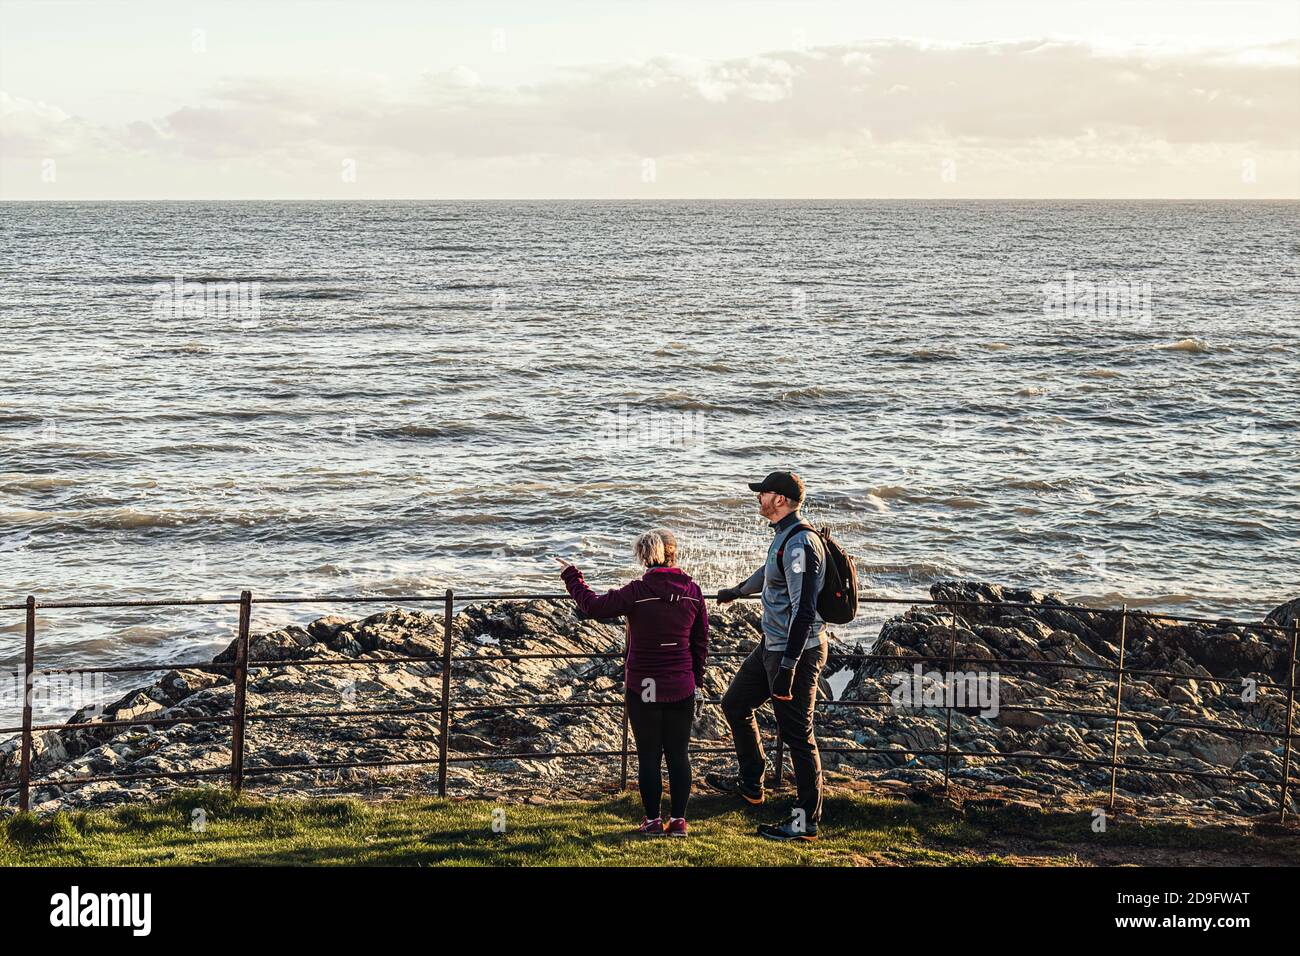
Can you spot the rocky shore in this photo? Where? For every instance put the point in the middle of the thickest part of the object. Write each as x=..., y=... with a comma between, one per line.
x=1217, y=666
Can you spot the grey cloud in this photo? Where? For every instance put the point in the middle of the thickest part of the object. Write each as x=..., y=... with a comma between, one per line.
x=987, y=95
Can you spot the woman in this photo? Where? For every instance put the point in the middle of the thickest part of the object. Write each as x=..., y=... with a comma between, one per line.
x=667, y=642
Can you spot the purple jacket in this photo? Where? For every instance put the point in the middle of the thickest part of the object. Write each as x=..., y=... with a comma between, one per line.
x=667, y=628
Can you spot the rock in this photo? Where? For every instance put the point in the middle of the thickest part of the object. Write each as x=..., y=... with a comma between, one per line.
x=1022, y=719
x=1203, y=745
x=1284, y=615
x=1186, y=692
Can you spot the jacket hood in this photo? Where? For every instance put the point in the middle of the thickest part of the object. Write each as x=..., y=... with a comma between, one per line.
x=666, y=582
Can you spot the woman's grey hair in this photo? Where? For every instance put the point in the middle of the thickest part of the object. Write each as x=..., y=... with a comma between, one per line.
x=656, y=547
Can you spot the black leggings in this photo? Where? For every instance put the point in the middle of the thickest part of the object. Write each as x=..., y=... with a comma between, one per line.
x=662, y=730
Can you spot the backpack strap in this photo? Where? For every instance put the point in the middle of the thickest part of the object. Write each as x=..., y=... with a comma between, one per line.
x=780, y=552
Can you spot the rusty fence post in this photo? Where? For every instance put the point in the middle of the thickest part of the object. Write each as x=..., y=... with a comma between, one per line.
x=240, y=676
x=29, y=664
x=948, y=694
x=444, y=721
x=1119, y=699
x=1290, y=717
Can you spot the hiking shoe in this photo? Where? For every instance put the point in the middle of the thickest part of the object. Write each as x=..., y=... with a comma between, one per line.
x=787, y=832
x=650, y=827
x=731, y=783
x=676, y=827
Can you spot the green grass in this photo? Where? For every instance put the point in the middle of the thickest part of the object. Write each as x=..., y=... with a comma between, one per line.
x=858, y=829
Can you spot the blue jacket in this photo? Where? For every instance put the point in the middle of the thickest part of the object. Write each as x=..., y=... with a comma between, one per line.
x=790, y=588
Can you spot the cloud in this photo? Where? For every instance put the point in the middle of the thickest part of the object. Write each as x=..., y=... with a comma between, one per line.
x=1026, y=102
x=34, y=128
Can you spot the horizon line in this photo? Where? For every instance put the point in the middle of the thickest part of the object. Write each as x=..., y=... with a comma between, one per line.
x=599, y=199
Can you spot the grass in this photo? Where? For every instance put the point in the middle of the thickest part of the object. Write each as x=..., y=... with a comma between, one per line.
x=859, y=829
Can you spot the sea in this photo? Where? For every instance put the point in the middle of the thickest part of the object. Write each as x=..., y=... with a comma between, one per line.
x=339, y=399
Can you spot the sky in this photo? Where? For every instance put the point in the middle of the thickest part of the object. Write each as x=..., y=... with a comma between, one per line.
x=402, y=99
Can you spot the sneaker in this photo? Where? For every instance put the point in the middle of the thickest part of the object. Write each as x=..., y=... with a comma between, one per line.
x=787, y=832
x=731, y=783
x=676, y=826
x=650, y=827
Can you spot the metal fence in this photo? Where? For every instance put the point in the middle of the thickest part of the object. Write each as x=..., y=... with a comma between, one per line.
x=445, y=707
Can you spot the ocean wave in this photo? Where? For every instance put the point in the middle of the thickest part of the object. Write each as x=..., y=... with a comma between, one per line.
x=929, y=355
x=20, y=418
x=109, y=519
x=328, y=295
x=187, y=348
x=448, y=429
x=1119, y=598
x=15, y=541
x=196, y=448
x=911, y=571
x=125, y=519
x=1039, y=484
x=682, y=402
x=1195, y=346
x=36, y=483
x=797, y=395
x=889, y=492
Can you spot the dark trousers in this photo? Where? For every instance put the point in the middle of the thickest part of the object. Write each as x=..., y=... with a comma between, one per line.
x=662, y=732
x=749, y=689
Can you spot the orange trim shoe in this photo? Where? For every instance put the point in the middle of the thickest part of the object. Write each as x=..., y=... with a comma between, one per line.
x=731, y=783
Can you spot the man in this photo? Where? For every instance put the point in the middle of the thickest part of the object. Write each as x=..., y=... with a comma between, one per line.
x=786, y=664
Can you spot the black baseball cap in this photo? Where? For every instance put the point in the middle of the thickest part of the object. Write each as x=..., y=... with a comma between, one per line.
x=783, y=483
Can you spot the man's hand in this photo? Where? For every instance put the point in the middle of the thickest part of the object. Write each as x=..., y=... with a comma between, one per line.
x=783, y=684
x=727, y=595
x=562, y=562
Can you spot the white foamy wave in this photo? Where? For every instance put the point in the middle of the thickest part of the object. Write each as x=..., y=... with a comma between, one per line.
x=1198, y=346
